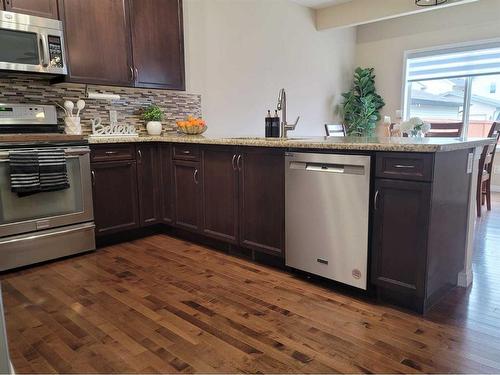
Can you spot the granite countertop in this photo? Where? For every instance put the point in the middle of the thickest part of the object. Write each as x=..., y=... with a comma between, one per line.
x=324, y=143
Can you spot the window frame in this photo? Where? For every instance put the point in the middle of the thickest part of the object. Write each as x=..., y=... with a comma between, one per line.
x=439, y=50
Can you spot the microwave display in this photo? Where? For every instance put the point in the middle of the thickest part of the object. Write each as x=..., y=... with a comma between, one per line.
x=55, y=51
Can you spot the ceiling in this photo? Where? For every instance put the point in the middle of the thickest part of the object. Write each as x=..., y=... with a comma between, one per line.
x=318, y=4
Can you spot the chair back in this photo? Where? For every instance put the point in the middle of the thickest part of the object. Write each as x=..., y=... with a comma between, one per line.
x=449, y=129
x=334, y=130
x=488, y=155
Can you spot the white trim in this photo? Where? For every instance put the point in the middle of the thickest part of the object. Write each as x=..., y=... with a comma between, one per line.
x=495, y=188
x=465, y=278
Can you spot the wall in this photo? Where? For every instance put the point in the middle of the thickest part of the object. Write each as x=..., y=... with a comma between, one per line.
x=22, y=88
x=381, y=45
x=239, y=53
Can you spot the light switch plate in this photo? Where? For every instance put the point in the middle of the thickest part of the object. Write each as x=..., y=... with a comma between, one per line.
x=113, y=116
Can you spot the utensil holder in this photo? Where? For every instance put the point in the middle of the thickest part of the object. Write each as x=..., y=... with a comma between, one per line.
x=72, y=125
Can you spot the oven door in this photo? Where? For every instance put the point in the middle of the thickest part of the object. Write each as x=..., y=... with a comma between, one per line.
x=31, y=44
x=48, y=209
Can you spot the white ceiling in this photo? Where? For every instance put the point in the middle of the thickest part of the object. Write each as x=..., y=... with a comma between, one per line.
x=318, y=4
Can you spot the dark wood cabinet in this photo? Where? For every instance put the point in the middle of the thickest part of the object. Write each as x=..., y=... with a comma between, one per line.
x=166, y=183
x=98, y=41
x=262, y=199
x=39, y=8
x=401, y=222
x=148, y=183
x=158, y=43
x=220, y=193
x=115, y=196
x=187, y=194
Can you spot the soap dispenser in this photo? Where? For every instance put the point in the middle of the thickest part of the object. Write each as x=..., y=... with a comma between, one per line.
x=276, y=125
x=269, y=125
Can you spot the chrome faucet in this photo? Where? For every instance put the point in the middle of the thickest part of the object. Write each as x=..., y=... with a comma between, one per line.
x=284, y=126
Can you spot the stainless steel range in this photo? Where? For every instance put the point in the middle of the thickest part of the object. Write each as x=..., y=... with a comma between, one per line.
x=45, y=225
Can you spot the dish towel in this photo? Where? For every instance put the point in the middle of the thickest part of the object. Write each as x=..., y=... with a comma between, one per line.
x=33, y=172
x=53, y=171
x=24, y=172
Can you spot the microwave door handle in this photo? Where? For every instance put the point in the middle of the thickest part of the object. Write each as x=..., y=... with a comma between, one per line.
x=44, y=49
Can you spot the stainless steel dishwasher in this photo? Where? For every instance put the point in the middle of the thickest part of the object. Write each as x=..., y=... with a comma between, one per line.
x=327, y=205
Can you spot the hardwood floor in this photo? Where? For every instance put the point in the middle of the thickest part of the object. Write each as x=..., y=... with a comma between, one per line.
x=163, y=305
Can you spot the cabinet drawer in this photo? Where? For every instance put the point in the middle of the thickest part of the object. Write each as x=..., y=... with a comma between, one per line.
x=404, y=166
x=186, y=152
x=112, y=152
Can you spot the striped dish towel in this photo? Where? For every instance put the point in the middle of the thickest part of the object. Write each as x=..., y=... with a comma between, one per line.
x=37, y=171
x=53, y=171
x=24, y=172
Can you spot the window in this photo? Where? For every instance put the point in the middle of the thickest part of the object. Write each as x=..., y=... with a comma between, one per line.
x=455, y=85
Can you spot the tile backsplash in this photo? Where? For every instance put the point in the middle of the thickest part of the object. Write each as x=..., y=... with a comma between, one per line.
x=21, y=88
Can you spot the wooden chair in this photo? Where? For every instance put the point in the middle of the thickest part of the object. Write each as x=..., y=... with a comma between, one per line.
x=450, y=129
x=485, y=170
x=335, y=130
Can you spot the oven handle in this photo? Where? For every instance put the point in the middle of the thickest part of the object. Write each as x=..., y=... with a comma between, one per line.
x=70, y=153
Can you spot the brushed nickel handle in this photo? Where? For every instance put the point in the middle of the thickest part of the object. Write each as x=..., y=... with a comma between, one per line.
x=233, y=162
x=195, y=176
x=136, y=73
x=139, y=152
x=404, y=166
x=132, y=77
x=375, y=201
x=92, y=175
x=186, y=152
x=238, y=162
x=111, y=152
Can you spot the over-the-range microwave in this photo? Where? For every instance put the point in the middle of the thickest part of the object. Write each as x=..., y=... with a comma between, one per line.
x=31, y=44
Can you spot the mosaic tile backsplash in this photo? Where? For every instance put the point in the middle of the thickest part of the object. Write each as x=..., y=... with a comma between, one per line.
x=20, y=88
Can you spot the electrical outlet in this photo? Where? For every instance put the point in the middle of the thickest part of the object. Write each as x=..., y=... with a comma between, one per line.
x=113, y=116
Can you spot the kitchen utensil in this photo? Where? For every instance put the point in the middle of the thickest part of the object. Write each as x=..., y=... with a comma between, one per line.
x=80, y=105
x=69, y=105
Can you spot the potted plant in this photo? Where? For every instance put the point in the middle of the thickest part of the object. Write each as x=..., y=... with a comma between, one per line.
x=362, y=104
x=153, y=115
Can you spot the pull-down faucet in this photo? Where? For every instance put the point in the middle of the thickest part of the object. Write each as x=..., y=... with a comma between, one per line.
x=284, y=126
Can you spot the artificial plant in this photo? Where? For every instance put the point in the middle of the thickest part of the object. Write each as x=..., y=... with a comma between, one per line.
x=152, y=113
x=362, y=104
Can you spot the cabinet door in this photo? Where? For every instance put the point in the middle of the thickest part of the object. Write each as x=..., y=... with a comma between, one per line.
x=400, y=227
x=220, y=193
x=187, y=194
x=262, y=200
x=166, y=184
x=157, y=43
x=98, y=41
x=116, y=206
x=148, y=183
x=39, y=8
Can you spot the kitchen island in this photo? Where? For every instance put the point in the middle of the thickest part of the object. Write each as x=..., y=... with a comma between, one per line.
x=232, y=191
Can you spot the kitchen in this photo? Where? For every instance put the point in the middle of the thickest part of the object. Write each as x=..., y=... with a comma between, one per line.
x=166, y=245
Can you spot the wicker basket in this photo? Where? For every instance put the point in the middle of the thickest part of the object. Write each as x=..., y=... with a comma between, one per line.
x=192, y=130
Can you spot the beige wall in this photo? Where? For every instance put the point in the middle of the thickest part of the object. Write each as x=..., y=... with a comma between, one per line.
x=241, y=52
x=381, y=45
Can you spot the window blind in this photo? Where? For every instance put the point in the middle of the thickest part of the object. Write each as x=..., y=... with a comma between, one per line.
x=454, y=62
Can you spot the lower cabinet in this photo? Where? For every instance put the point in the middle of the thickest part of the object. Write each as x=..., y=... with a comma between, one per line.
x=262, y=200
x=148, y=183
x=401, y=220
x=187, y=194
x=115, y=196
x=220, y=193
x=232, y=194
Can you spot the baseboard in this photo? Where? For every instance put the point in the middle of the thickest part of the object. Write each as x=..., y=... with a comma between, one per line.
x=495, y=188
x=465, y=279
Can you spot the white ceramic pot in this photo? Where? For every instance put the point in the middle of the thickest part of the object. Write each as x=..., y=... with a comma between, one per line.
x=154, y=127
x=72, y=125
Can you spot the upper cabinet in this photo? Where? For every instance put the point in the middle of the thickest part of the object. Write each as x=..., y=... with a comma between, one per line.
x=39, y=8
x=97, y=41
x=125, y=42
x=157, y=43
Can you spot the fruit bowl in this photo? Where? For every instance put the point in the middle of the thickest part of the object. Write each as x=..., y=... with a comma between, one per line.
x=192, y=126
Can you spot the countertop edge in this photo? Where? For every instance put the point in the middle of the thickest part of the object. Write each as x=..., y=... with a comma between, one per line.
x=301, y=144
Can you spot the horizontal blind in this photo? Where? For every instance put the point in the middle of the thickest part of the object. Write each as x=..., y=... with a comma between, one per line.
x=454, y=62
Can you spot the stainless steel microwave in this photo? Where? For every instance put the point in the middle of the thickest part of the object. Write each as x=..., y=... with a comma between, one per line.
x=31, y=44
